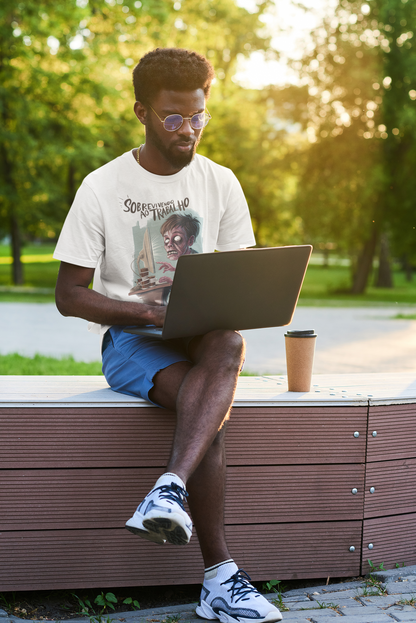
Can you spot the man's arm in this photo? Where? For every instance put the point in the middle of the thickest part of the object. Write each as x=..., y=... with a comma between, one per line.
x=74, y=298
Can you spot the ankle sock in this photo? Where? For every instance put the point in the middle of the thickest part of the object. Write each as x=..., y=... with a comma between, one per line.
x=167, y=478
x=222, y=570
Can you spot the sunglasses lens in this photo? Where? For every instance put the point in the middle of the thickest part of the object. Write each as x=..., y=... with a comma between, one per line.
x=199, y=121
x=172, y=122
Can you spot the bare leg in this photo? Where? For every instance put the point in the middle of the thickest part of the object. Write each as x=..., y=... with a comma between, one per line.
x=204, y=393
x=204, y=397
x=206, y=489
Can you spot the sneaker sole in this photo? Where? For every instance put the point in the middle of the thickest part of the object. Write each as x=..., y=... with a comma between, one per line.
x=170, y=529
x=154, y=537
x=204, y=611
x=135, y=525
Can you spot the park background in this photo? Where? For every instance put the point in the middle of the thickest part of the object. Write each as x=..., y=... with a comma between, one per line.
x=324, y=149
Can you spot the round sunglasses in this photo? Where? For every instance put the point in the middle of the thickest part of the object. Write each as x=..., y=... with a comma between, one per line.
x=171, y=123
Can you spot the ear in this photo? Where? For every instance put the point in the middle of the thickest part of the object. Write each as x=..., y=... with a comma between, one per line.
x=141, y=112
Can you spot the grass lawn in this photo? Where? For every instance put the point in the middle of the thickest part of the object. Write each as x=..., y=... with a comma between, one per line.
x=31, y=249
x=40, y=365
x=322, y=285
x=15, y=364
x=40, y=273
x=326, y=286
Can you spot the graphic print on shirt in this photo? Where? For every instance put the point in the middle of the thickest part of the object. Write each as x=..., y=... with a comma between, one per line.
x=157, y=247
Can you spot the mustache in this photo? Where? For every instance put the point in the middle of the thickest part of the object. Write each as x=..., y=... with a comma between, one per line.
x=185, y=142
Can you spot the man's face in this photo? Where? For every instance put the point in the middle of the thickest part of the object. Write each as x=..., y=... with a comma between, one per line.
x=177, y=242
x=178, y=147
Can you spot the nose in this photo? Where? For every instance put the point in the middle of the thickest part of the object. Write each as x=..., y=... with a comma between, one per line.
x=186, y=129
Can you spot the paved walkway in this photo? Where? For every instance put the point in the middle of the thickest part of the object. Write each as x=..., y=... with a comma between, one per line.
x=355, y=339
x=352, y=601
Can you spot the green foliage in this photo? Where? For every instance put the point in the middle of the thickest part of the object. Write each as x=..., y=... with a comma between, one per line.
x=373, y=568
x=39, y=275
x=355, y=178
x=398, y=23
x=374, y=586
x=274, y=587
x=341, y=171
x=171, y=618
x=334, y=284
x=66, y=96
x=243, y=136
x=404, y=317
x=4, y=601
x=129, y=601
x=66, y=108
x=327, y=604
x=106, y=601
x=85, y=605
x=15, y=364
x=29, y=296
x=408, y=602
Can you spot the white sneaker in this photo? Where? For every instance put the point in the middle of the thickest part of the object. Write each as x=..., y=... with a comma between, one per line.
x=227, y=595
x=161, y=516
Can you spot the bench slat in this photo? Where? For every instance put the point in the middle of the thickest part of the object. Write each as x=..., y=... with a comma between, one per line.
x=125, y=437
x=100, y=558
x=105, y=498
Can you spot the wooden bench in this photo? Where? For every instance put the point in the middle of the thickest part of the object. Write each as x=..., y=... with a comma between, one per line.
x=76, y=458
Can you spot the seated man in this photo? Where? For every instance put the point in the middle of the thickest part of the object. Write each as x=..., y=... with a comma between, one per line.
x=196, y=378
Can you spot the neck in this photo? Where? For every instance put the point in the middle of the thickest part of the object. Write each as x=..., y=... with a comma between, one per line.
x=155, y=162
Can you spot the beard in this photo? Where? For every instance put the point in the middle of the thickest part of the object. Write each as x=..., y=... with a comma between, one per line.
x=178, y=160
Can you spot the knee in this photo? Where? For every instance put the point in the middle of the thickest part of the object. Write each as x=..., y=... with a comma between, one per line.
x=230, y=344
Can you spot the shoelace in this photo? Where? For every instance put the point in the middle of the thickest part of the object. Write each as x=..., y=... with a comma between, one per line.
x=173, y=492
x=240, y=585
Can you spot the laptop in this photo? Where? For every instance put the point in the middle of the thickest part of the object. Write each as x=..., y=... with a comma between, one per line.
x=246, y=289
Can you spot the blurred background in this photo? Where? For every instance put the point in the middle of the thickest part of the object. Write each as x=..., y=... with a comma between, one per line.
x=313, y=108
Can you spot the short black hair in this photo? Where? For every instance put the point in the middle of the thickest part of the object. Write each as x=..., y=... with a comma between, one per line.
x=173, y=69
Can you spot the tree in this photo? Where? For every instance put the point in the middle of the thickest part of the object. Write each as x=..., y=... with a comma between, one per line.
x=65, y=94
x=40, y=120
x=397, y=20
x=346, y=191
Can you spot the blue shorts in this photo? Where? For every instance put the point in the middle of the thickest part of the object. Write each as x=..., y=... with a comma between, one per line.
x=130, y=362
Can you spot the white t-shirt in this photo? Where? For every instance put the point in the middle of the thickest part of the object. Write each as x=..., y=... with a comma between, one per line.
x=114, y=224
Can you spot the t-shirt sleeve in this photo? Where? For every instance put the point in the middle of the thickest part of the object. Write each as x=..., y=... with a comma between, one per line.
x=236, y=230
x=81, y=241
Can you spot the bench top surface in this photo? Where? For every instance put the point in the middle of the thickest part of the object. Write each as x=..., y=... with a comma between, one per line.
x=326, y=390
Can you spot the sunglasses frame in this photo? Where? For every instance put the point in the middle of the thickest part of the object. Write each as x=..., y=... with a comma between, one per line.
x=205, y=112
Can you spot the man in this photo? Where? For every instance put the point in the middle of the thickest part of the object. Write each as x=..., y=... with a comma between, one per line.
x=195, y=378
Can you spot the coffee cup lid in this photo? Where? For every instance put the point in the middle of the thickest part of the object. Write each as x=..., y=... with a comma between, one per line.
x=305, y=333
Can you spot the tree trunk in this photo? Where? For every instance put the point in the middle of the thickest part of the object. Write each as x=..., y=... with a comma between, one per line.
x=364, y=265
x=407, y=268
x=17, y=266
x=384, y=274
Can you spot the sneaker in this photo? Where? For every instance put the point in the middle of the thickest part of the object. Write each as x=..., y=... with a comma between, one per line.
x=227, y=595
x=161, y=516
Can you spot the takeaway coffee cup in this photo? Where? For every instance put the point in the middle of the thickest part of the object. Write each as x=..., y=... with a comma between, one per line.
x=300, y=349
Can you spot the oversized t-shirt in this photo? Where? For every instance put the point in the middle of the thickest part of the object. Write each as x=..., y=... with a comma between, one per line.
x=131, y=226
